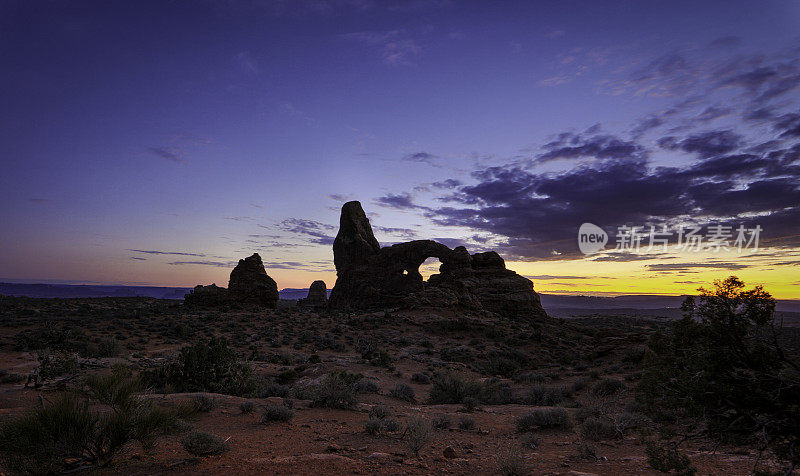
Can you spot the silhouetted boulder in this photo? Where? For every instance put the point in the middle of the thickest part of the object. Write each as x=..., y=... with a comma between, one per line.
x=369, y=276
x=317, y=295
x=207, y=296
x=250, y=283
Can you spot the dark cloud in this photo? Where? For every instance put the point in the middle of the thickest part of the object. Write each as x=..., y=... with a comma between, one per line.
x=422, y=157
x=176, y=253
x=576, y=146
x=406, y=232
x=538, y=214
x=449, y=183
x=726, y=42
x=705, y=144
x=138, y=258
x=168, y=153
x=788, y=125
x=216, y=264
x=401, y=201
x=319, y=232
x=547, y=277
x=691, y=266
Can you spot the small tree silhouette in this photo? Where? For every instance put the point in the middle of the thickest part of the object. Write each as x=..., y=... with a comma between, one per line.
x=723, y=364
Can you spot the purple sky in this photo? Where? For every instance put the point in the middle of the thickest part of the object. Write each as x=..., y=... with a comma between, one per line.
x=158, y=142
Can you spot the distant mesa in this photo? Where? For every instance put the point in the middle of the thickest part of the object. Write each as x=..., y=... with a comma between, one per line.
x=369, y=276
x=317, y=295
x=249, y=283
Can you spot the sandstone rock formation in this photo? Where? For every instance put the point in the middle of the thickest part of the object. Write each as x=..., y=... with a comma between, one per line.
x=317, y=295
x=369, y=276
x=249, y=283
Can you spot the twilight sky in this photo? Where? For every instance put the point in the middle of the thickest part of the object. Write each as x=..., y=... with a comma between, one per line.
x=157, y=142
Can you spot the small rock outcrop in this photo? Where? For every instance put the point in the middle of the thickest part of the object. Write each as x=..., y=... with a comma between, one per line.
x=369, y=276
x=317, y=295
x=249, y=283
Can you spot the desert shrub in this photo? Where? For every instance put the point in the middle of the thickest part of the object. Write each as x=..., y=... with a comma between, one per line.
x=418, y=435
x=441, y=422
x=403, y=392
x=635, y=355
x=366, y=386
x=512, y=463
x=6, y=377
x=607, y=387
x=379, y=412
x=198, y=443
x=450, y=387
x=596, y=429
x=337, y=390
x=668, y=460
x=579, y=384
x=247, y=407
x=466, y=423
x=390, y=424
x=587, y=451
x=286, y=376
x=276, y=413
x=421, y=378
x=67, y=434
x=543, y=418
x=471, y=404
x=55, y=364
x=629, y=420
x=547, y=396
x=209, y=366
x=204, y=403
x=273, y=390
x=373, y=426
x=581, y=414
x=722, y=365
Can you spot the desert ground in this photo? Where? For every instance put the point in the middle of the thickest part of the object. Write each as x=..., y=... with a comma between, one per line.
x=589, y=367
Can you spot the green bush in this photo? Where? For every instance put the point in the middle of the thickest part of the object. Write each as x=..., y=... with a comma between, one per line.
x=722, y=365
x=247, y=407
x=441, y=422
x=450, y=387
x=276, y=413
x=204, y=403
x=209, y=366
x=379, y=412
x=403, y=392
x=546, y=396
x=466, y=423
x=596, y=429
x=67, y=434
x=337, y=390
x=512, y=463
x=607, y=387
x=373, y=426
x=668, y=460
x=543, y=418
x=421, y=378
x=198, y=443
x=418, y=435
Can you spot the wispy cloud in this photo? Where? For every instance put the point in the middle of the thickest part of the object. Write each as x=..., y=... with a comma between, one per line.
x=246, y=63
x=217, y=264
x=168, y=153
x=395, y=47
x=175, y=253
